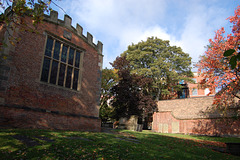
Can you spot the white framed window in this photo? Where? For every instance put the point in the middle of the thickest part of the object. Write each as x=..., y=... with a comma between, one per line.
x=194, y=92
x=61, y=64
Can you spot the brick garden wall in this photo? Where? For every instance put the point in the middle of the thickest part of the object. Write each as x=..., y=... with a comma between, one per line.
x=27, y=102
x=186, y=116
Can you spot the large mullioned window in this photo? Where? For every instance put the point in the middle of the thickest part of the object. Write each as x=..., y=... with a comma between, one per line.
x=61, y=64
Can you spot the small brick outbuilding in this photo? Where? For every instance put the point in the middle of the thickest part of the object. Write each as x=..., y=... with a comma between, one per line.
x=195, y=116
x=51, y=78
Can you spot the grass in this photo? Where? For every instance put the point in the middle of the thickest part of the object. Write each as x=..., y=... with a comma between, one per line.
x=206, y=138
x=124, y=144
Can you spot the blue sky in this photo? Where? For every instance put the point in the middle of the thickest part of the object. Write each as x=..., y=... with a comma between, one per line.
x=119, y=23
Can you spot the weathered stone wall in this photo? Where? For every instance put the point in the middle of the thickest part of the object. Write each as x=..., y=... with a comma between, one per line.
x=129, y=123
x=192, y=116
x=43, y=105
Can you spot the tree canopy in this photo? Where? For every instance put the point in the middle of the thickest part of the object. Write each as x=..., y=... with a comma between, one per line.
x=147, y=71
x=214, y=65
x=164, y=64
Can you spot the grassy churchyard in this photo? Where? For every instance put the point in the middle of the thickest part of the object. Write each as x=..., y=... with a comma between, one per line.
x=123, y=144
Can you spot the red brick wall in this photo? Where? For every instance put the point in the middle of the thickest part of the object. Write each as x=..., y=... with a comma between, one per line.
x=192, y=115
x=20, y=118
x=220, y=126
x=23, y=88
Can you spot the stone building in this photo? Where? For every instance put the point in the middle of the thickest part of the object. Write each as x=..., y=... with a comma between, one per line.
x=51, y=78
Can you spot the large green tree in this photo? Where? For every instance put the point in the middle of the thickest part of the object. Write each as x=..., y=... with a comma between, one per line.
x=164, y=64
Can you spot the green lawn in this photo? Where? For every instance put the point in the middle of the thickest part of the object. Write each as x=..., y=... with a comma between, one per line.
x=43, y=144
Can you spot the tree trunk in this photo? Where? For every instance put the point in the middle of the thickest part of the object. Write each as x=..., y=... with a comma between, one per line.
x=158, y=94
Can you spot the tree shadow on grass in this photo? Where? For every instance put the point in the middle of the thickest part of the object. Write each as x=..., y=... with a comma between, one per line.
x=93, y=145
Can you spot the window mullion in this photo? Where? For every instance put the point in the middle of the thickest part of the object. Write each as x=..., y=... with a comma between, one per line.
x=59, y=60
x=65, y=76
x=50, y=68
x=74, y=56
x=80, y=70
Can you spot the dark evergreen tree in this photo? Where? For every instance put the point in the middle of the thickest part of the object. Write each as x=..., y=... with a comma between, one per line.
x=130, y=94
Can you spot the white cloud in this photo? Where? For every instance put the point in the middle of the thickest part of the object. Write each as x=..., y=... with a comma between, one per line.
x=113, y=17
x=200, y=25
x=120, y=23
x=135, y=35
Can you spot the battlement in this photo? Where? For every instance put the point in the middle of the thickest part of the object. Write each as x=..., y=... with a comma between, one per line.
x=67, y=23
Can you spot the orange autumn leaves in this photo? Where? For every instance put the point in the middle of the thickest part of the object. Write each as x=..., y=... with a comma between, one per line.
x=215, y=68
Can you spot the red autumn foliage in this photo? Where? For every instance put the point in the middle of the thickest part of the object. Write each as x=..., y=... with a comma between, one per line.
x=215, y=68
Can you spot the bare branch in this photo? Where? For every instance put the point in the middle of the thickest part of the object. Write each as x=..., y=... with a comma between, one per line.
x=58, y=7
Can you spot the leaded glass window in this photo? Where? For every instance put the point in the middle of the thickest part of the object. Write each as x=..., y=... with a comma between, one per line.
x=61, y=64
